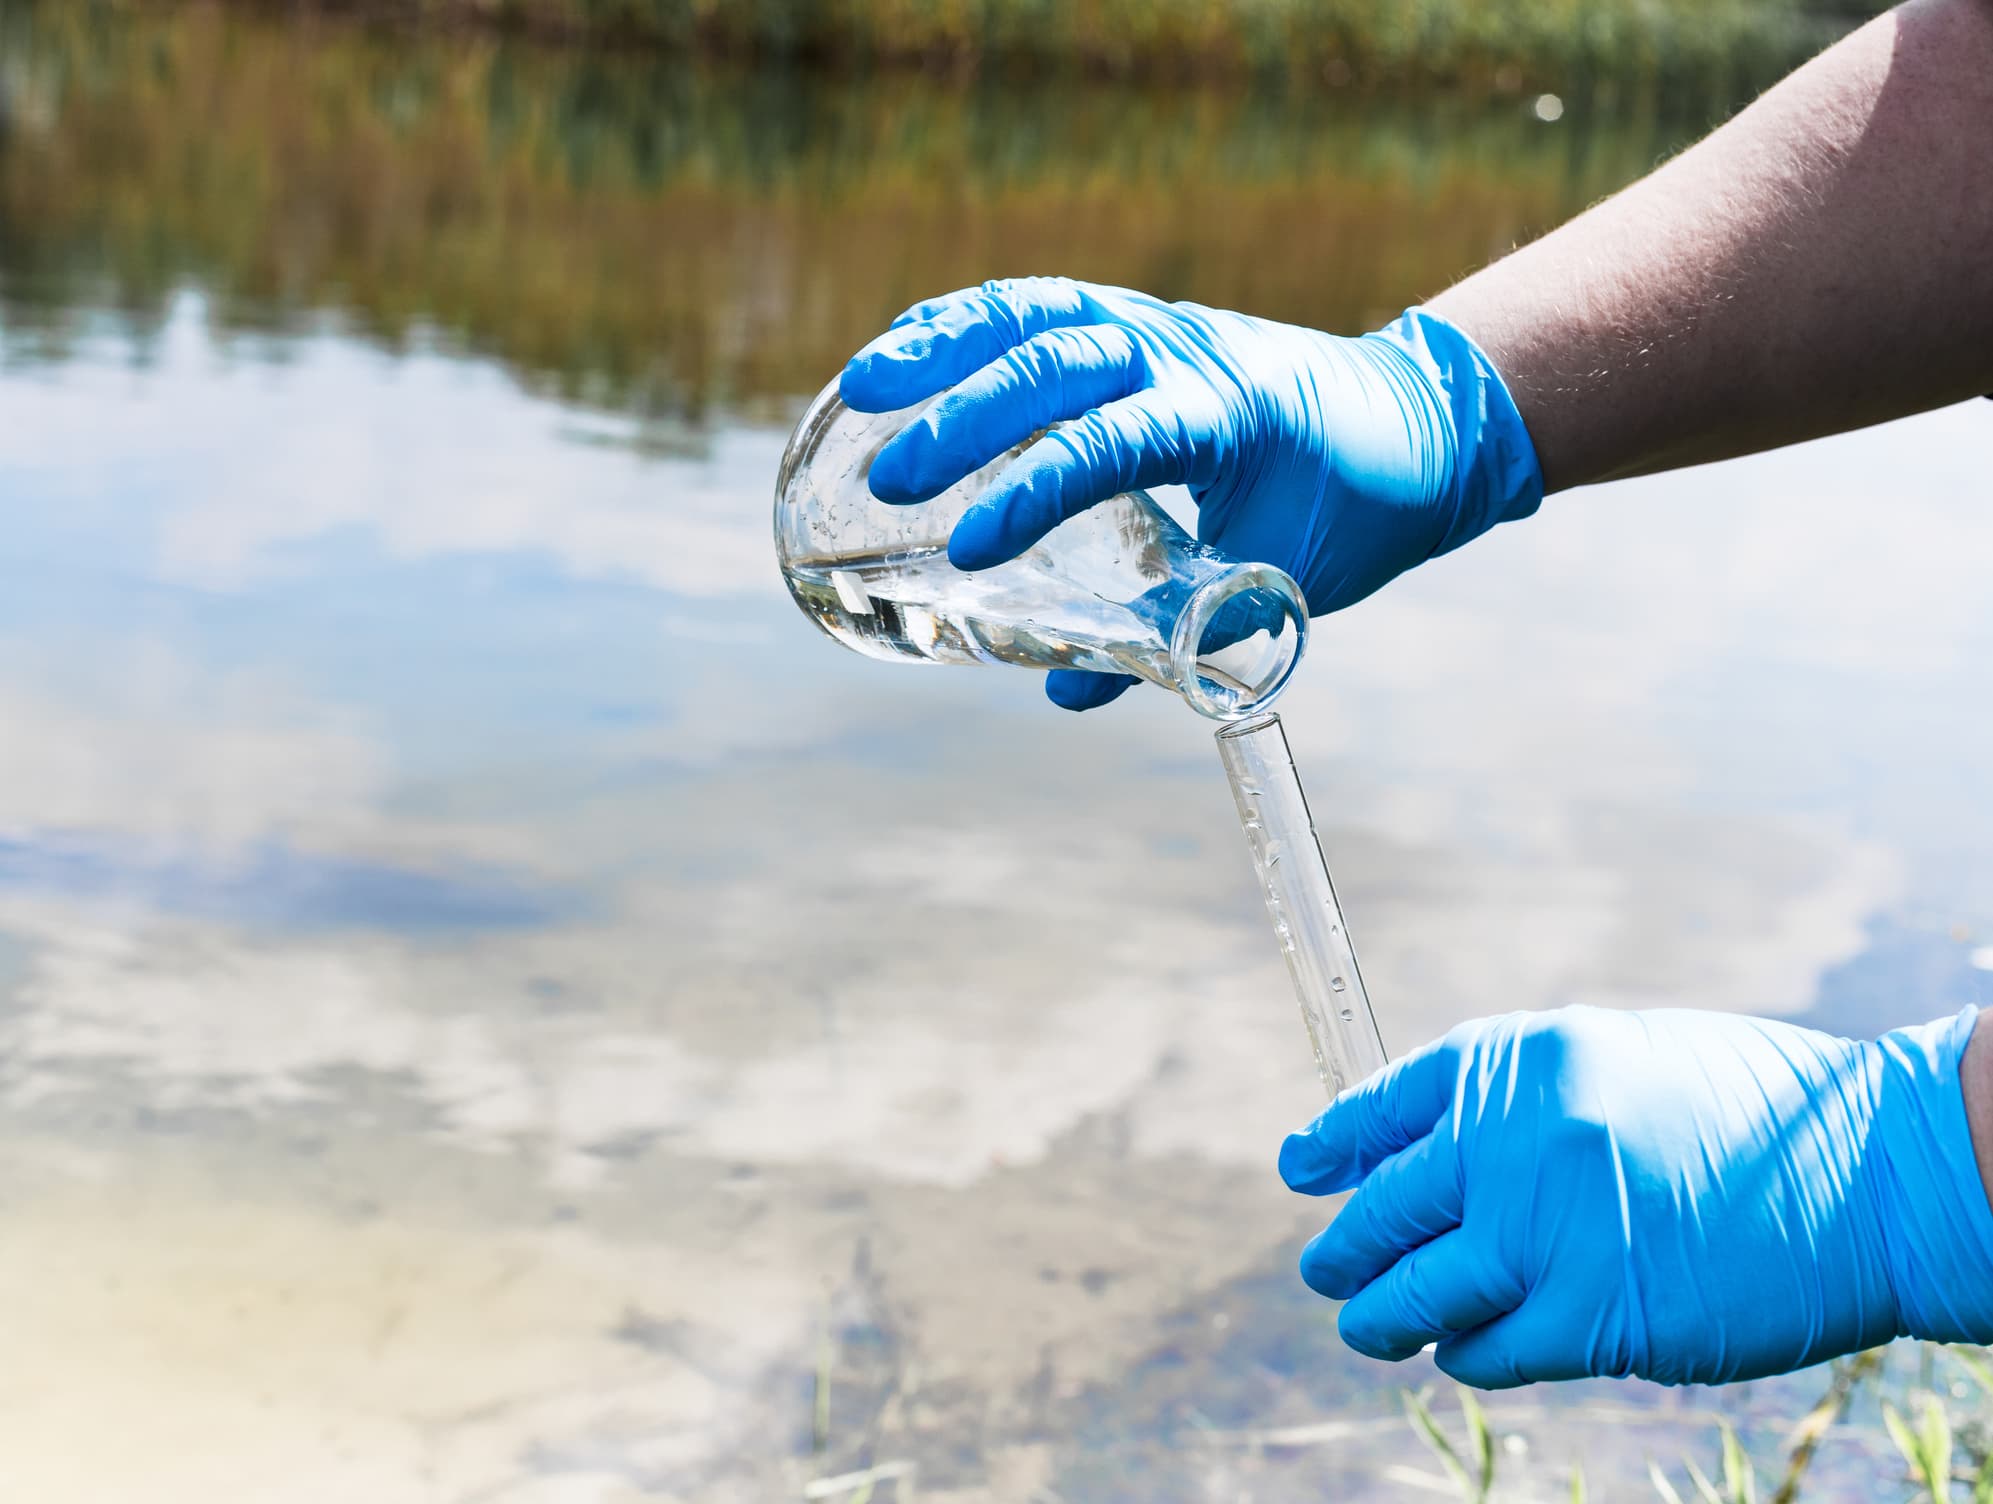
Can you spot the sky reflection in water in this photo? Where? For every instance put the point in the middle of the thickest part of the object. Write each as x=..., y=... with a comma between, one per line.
x=487, y=985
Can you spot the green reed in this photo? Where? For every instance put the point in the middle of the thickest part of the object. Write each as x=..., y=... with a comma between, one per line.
x=1939, y=1418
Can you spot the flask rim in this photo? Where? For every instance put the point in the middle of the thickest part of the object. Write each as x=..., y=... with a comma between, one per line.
x=1198, y=614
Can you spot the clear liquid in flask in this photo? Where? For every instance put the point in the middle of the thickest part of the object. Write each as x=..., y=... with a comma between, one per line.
x=1119, y=588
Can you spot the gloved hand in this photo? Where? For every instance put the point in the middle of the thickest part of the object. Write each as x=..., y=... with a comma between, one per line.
x=1689, y=1197
x=1343, y=461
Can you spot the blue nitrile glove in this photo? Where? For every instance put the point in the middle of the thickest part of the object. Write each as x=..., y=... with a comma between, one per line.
x=1689, y=1197
x=1343, y=461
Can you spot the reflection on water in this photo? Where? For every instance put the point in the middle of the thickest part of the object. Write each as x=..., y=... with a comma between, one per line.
x=496, y=1008
x=630, y=231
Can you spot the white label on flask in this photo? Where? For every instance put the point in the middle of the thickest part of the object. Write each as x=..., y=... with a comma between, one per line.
x=851, y=590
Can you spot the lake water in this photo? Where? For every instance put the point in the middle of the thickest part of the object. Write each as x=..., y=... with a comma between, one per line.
x=493, y=1006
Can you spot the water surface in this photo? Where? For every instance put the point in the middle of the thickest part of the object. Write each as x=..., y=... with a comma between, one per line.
x=494, y=1007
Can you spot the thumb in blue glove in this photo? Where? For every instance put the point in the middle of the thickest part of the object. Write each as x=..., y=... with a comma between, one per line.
x=1688, y=1197
x=1343, y=461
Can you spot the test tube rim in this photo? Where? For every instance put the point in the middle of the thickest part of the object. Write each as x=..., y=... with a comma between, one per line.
x=1246, y=725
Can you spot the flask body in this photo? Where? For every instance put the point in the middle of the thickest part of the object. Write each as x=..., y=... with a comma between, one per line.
x=1119, y=588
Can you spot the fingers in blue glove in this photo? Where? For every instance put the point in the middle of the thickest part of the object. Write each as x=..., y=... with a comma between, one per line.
x=950, y=338
x=1137, y=441
x=1015, y=293
x=1376, y=1118
x=1015, y=289
x=1529, y=1345
x=927, y=308
x=1048, y=379
x=1415, y=1196
x=1434, y=1294
x=1079, y=689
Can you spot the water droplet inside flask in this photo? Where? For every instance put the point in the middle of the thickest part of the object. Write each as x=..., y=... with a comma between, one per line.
x=1349, y=1015
x=1337, y=984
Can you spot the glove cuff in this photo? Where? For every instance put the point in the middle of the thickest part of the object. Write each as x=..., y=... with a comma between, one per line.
x=1496, y=474
x=1939, y=1225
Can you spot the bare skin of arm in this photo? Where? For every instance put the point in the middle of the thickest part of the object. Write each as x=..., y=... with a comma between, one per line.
x=1976, y=1076
x=1821, y=262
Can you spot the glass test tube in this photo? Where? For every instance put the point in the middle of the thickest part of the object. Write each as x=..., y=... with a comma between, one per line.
x=1301, y=899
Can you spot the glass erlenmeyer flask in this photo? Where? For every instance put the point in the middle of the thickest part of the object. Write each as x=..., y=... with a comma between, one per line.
x=1119, y=588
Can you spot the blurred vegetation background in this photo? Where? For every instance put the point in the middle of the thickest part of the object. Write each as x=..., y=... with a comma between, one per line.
x=646, y=228
x=1339, y=40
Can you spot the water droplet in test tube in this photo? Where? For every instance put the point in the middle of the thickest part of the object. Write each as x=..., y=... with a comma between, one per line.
x=1349, y=1015
x=1337, y=983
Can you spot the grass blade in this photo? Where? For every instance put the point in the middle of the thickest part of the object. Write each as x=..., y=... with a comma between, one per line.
x=1428, y=1429
x=1818, y=1421
x=1704, y=1489
x=820, y=1410
x=1937, y=1447
x=859, y=1487
x=1740, y=1479
x=1662, y=1486
x=1905, y=1439
x=1928, y=1449
x=1849, y=1374
x=1483, y=1440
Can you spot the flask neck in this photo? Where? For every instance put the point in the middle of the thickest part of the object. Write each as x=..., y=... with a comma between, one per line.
x=1237, y=640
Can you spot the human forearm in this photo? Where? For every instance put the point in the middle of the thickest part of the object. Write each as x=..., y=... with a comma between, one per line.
x=1817, y=264
x=1975, y=1073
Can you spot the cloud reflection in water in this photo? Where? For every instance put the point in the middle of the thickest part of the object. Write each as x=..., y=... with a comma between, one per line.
x=409, y=808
